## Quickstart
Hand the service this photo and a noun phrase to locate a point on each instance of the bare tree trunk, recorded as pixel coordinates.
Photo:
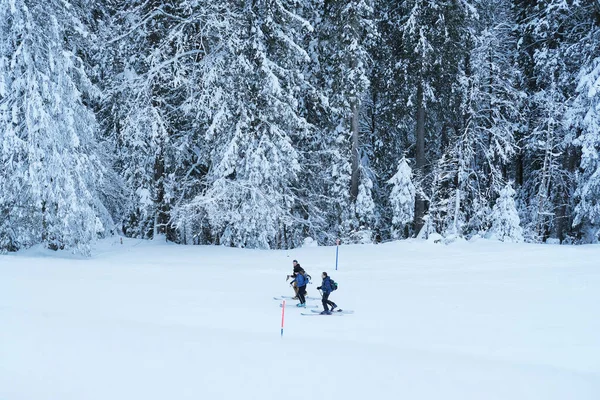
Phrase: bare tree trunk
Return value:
(445, 140)
(564, 218)
(420, 157)
(486, 167)
(519, 168)
(545, 186)
(161, 217)
(44, 224)
(355, 153)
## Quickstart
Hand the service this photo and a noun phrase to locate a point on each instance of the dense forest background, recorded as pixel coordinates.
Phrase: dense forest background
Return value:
(261, 123)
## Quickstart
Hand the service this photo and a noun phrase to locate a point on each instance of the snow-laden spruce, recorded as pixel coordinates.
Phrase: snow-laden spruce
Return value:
(255, 124)
(587, 108)
(402, 197)
(555, 40)
(477, 157)
(51, 167)
(154, 56)
(345, 35)
(506, 225)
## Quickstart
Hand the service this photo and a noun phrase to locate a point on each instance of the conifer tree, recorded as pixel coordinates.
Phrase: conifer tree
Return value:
(505, 218)
(402, 197)
(52, 166)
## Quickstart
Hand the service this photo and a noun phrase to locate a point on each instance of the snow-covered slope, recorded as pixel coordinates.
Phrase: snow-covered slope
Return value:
(148, 320)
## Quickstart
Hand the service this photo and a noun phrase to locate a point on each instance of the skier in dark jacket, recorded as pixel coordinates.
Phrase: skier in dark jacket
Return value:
(297, 269)
(327, 288)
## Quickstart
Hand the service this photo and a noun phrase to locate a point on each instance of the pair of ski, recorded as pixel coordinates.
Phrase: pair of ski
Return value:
(295, 306)
(314, 313)
(315, 310)
(290, 305)
(291, 298)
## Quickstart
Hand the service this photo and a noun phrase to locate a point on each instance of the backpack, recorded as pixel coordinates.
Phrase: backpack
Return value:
(306, 276)
(334, 284)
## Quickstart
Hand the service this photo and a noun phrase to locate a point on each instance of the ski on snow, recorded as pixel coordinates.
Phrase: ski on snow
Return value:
(295, 306)
(336, 311)
(290, 298)
(318, 314)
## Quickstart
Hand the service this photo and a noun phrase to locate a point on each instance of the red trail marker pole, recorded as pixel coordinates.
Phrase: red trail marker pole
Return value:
(282, 316)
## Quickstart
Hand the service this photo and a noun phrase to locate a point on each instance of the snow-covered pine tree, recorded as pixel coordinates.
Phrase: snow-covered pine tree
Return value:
(495, 98)
(587, 210)
(437, 197)
(587, 105)
(251, 91)
(480, 150)
(365, 206)
(51, 164)
(584, 115)
(136, 96)
(547, 184)
(550, 57)
(434, 39)
(505, 218)
(402, 199)
(157, 52)
(388, 122)
(346, 32)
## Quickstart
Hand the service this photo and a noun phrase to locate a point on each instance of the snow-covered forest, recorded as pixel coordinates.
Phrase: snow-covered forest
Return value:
(261, 123)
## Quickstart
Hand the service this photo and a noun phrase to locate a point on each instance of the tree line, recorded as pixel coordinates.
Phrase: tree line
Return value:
(265, 122)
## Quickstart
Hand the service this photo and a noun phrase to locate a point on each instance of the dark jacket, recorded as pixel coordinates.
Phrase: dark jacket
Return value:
(326, 285)
(297, 270)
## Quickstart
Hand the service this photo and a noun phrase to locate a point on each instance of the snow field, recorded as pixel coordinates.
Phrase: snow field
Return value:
(149, 320)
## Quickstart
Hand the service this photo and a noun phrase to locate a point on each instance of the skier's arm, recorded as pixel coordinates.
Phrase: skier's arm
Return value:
(293, 275)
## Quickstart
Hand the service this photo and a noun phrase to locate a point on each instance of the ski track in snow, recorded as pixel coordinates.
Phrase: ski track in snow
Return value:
(151, 320)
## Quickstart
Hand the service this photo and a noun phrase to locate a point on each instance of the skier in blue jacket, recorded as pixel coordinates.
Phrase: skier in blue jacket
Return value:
(301, 282)
(327, 288)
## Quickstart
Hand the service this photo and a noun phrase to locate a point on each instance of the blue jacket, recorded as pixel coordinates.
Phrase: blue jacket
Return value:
(326, 285)
(301, 280)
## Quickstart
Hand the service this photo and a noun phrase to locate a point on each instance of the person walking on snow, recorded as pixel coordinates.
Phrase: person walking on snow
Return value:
(327, 288)
(301, 282)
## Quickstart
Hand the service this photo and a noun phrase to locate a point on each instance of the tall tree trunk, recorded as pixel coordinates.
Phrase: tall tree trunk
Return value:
(420, 157)
(564, 215)
(519, 168)
(445, 138)
(161, 217)
(355, 153)
(486, 167)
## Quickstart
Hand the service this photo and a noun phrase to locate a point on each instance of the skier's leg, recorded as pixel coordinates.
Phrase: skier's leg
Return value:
(301, 291)
(325, 301)
(303, 294)
(331, 303)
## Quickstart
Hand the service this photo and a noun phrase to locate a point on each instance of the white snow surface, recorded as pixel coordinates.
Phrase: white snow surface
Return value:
(151, 320)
